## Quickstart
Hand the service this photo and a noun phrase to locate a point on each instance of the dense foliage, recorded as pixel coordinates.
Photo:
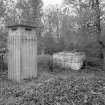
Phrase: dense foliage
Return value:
(70, 91)
(69, 25)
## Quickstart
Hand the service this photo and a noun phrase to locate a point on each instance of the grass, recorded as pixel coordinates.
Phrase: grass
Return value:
(44, 75)
(72, 89)
(60, 87)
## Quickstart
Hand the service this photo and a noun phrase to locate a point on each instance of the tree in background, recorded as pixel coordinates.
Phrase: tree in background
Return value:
(65, 24)
(18, 11)
(95, 5)
(86, 18)
(22, 11)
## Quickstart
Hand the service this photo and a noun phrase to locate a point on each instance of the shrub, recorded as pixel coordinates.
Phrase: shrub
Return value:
(44, 61)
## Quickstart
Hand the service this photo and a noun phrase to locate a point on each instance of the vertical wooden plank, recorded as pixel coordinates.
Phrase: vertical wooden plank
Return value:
(35, 50)
(29, 53)
(24, 56)
(32, 41)
(12, 55)
(8, 54)
(32, 52)
(18, 55)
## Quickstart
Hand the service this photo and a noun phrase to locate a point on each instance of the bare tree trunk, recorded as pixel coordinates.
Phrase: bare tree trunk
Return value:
(96, 9)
